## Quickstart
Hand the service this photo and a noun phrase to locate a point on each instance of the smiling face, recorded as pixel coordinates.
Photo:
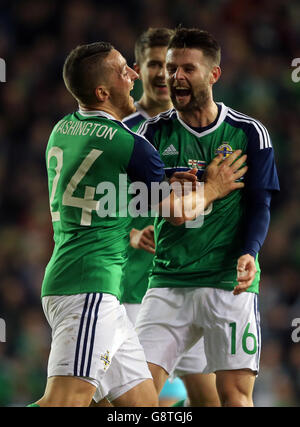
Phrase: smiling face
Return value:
(190, 76)
(121, 78)
(153, 74)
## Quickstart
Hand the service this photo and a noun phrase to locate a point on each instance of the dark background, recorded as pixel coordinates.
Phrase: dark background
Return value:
(259, 40)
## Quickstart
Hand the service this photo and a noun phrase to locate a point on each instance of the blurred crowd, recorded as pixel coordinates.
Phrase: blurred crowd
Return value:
(259, 40)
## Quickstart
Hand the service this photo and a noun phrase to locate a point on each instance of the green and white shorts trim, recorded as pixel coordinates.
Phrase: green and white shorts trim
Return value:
(91, 337)
(172, 320)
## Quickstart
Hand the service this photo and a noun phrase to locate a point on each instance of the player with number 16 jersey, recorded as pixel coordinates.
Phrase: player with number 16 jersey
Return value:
(207, 256)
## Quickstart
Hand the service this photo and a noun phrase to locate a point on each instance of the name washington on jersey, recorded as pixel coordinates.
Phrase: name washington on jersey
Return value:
(75, 128)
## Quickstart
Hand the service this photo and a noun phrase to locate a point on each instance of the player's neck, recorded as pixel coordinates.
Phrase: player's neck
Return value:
(200, 117)
(152, 108)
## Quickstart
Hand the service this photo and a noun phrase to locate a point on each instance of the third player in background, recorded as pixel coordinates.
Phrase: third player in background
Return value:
(150, 57)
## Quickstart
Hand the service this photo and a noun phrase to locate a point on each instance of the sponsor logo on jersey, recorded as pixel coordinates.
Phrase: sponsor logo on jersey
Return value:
(106, 359)
(224, 149)
(170, 151)
(199, 164)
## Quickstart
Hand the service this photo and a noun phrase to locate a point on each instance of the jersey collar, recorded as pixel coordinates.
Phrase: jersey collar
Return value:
(220, 120)
(139, 112)
(99, 113)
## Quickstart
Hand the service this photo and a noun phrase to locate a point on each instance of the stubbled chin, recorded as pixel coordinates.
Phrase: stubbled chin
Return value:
(163, 94)
(182, 100)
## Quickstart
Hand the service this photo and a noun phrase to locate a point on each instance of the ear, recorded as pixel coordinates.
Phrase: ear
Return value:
(102, 93)
(136, 68)
(215, 74)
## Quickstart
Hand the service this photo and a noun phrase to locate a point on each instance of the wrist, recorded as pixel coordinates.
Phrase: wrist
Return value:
(250, 252)
(210, 194)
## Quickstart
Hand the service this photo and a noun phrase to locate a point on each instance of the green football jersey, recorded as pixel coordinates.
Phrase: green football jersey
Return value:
(87, 155)
(207, 256)
(139, 262)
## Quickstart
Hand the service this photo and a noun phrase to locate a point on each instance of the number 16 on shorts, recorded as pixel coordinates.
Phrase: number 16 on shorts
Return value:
(249, 340)
(244, 345)
(244, 339)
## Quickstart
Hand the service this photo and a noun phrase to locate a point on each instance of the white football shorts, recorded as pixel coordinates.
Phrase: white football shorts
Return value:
(192, 362)
(91, 336)
(132, 311)
(172, 320)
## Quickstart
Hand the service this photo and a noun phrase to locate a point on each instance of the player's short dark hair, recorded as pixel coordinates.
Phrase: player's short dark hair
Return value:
(194, 38)
(83, 69)
(153, 37)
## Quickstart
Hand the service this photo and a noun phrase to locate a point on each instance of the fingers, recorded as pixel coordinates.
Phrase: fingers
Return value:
(237, 185)
(241, 172)
(244, 282)
(237, 170)
(148, 249)
(184, 176)
(143, 239)
(149, 234)
(193, 171)
(147, 244)
(246, 271)
(241, 288)
(245, 263)
(134, 237)
(150, 228)
(238, 163)
(217, 160)
(230, 159)
(233, 164)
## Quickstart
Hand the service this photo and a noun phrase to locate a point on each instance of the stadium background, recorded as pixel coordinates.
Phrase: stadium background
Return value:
(259, 40)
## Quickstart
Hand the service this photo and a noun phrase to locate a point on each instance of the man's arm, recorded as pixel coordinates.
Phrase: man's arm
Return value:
(145, 165)
(261, 181)
(256, 228)
(221, 176)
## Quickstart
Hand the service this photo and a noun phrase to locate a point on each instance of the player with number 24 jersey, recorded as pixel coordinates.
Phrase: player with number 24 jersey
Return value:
(83, 151)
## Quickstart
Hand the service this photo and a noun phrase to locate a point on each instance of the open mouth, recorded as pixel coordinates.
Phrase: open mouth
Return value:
(181, 92)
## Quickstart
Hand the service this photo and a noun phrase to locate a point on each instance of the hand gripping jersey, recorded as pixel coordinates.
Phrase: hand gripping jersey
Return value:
(139, 262)
(86, 154)
(207, 256)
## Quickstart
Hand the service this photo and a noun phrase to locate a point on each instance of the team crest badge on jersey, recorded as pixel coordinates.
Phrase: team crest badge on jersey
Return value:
(224, 149)
(199, 164)
(106, 359)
